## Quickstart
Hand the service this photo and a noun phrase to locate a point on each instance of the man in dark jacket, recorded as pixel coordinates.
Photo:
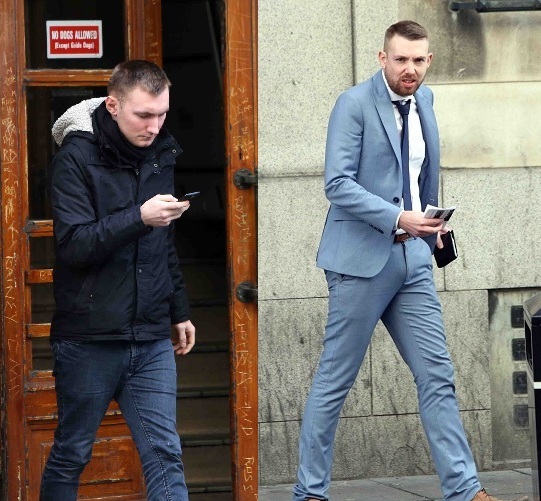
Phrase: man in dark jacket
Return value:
(121, 305)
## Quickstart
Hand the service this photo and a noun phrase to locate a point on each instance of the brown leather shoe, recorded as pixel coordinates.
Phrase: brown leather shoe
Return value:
(483, 496)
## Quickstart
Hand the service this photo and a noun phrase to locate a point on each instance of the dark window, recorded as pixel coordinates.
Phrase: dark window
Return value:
(109, 12)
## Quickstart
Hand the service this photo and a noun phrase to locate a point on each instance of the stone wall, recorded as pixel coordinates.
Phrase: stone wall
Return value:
(484, 80)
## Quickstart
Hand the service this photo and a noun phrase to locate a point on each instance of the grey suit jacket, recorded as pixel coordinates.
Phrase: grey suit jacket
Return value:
(363, 177)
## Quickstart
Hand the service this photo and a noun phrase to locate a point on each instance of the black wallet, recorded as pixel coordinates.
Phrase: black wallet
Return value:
(449, 252)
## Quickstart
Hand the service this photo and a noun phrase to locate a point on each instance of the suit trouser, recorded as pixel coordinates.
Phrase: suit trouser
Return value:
(403, 295)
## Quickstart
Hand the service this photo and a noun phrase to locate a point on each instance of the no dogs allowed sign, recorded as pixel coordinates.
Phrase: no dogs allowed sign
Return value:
(74, 39)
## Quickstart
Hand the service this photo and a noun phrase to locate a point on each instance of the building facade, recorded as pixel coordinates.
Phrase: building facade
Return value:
(270, 112)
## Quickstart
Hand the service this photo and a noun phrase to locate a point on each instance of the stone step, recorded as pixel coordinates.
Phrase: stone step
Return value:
(203, 416)
(211, 496)
(207, 467)
(203, 369)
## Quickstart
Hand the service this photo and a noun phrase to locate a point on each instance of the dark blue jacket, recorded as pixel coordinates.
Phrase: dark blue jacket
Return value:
(114, 277)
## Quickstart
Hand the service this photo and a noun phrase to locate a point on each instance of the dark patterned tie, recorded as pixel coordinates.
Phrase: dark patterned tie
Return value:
(404, 109)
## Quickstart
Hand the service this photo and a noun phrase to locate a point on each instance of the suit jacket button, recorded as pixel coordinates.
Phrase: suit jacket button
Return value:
(396, 200)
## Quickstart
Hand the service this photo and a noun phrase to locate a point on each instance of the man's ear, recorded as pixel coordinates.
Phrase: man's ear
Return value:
(382, 56)
(112, 105)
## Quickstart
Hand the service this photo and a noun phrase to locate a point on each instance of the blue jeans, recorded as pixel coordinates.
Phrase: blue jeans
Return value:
(404, 297)
(141, 377)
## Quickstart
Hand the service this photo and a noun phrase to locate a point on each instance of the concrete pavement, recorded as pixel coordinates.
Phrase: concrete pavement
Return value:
(505, 485)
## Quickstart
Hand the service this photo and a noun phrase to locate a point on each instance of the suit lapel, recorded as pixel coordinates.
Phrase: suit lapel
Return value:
(428, 124)
(386, 113)
(430, 135)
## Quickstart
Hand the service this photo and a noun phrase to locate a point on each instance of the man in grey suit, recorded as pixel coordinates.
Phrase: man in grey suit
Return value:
(376, 251)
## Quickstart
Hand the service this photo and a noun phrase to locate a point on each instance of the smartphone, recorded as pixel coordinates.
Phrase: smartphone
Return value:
(189, 196)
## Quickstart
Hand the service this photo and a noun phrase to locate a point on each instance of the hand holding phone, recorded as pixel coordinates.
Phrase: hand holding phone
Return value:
(189, 196)
(160, 210)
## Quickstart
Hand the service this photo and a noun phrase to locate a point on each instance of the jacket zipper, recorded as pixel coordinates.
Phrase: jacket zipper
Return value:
(136, 267)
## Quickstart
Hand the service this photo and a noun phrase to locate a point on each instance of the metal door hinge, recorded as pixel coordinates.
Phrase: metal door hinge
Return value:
(245, 178)
(247, 292)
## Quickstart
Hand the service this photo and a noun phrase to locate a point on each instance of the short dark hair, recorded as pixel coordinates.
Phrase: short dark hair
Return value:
(410, 30)
(137, 73)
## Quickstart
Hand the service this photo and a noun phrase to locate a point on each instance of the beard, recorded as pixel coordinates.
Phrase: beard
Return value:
(397, 85)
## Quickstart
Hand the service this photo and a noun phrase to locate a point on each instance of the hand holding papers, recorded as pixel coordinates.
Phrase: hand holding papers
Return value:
(439, 213)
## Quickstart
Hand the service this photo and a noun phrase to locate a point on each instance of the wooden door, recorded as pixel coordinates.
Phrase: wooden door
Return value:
(34, 91)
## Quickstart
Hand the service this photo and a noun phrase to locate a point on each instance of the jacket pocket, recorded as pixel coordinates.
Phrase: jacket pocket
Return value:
(343, 215)
(86, 293)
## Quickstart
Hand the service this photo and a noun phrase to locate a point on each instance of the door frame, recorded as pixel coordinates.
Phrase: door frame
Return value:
(240, 102)
(240, 97)
(12, 284)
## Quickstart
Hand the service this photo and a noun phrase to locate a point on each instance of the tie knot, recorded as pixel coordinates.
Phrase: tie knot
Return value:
(403, 107)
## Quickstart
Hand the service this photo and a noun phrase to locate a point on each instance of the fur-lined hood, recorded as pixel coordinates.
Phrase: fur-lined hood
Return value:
(76, 118)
